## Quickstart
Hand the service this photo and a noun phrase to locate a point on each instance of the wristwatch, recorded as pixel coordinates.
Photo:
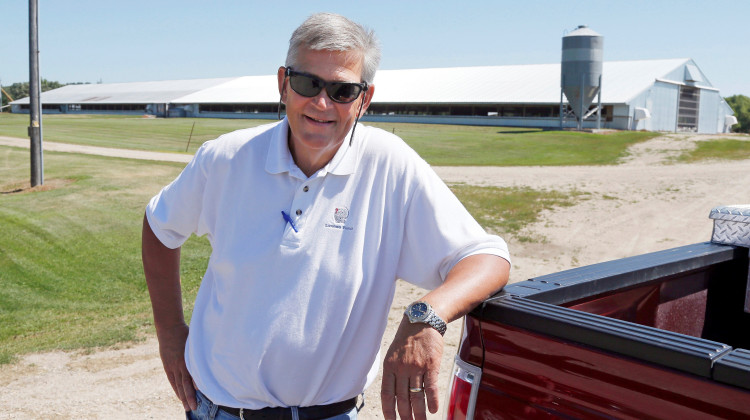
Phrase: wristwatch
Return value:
(422, 312)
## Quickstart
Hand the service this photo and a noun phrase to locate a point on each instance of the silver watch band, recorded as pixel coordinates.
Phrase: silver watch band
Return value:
(422, 312)
(436, 322)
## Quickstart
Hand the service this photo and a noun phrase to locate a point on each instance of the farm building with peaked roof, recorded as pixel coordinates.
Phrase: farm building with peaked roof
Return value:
(654, 95)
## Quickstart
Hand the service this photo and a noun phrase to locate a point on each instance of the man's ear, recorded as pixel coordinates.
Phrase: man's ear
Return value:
(368, 98)
(281, 76)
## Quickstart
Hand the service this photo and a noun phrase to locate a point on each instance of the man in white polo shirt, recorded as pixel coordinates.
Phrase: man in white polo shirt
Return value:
(311, 222)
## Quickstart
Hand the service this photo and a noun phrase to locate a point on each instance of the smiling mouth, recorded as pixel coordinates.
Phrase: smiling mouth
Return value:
(315, 120)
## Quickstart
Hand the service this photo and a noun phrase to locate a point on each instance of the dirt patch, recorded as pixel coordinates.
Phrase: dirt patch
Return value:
(22, 187)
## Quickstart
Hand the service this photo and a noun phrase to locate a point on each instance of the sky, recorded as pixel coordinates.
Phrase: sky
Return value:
(135, 40)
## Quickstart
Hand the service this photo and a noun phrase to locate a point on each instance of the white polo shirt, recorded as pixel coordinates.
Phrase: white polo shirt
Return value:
(286, 318)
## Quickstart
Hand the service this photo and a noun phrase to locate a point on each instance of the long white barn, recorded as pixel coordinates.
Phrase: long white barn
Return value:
(654, 95)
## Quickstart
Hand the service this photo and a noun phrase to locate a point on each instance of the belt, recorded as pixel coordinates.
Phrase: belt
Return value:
(315, 412)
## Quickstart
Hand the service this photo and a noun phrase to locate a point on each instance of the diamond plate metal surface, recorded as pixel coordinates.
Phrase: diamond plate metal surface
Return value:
(731, 225)
(737, 213)
(731, 233)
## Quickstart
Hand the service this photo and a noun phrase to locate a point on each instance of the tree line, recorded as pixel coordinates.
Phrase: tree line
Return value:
(741, 106)
(739, 103)
(21, 90)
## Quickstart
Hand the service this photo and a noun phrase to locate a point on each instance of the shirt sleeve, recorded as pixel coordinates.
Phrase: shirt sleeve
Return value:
(439, 232)
(175, 212)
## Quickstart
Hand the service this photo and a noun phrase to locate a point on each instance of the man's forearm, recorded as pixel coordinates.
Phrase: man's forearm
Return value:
(470, 281)
(161, 266)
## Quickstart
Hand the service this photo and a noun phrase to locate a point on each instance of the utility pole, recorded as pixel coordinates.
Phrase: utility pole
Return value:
(35, 105)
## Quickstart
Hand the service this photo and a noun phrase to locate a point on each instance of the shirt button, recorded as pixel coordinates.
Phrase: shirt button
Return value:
(306, 189)
(299, 212)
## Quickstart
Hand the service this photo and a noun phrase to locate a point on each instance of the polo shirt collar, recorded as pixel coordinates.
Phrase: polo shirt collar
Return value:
(280, 160)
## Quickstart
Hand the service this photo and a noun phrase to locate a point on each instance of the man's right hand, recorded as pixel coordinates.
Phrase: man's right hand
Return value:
(172, 351)
(161, 266)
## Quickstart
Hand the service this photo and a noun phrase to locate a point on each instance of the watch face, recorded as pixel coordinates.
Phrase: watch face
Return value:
(418, 310)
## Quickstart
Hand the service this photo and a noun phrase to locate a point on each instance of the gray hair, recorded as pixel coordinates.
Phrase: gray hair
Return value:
(332, 32)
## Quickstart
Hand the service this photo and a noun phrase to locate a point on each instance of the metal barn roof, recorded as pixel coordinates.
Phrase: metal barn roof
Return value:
(536, 83)
(540, 83)
(248, 89)
(125, 93)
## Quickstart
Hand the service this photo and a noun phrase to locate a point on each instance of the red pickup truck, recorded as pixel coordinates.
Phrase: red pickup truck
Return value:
(663, 335)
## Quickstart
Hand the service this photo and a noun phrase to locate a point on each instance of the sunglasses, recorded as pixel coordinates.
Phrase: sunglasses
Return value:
(310, 86)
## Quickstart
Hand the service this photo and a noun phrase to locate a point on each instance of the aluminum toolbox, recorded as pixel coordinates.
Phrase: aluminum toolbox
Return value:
(731, 225)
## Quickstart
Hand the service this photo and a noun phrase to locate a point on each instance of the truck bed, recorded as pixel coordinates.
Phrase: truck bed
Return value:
(661, 335)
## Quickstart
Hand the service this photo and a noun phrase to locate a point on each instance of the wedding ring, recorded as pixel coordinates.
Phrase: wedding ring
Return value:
(415, 389)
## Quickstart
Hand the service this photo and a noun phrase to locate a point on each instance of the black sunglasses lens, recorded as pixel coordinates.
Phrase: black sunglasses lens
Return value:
(343, 92)
(310, 86)
(305, 85)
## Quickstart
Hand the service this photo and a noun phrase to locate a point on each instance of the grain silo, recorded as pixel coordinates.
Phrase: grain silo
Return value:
(581, 72)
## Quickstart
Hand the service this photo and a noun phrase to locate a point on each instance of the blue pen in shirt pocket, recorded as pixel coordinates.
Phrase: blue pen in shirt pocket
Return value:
(289, 220)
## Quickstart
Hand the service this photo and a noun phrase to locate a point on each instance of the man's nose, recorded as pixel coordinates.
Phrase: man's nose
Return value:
(322, 100)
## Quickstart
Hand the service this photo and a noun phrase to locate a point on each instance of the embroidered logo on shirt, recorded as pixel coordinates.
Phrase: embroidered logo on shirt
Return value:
(340, 214)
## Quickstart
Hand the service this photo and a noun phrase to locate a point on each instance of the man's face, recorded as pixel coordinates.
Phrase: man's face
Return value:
(318, 124)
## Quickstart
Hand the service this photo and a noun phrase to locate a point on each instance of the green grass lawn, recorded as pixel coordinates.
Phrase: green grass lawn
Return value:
(70, 265)
(455, 145)
(508, 211)
(70, 252)
(452, 145)
(153, 134)
(719, 149)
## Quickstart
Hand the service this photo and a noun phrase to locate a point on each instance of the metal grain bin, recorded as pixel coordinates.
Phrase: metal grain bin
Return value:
(582, 52)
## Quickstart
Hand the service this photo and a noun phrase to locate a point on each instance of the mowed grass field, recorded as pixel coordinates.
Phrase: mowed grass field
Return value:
(70, 265)
(438, 144)
(70, 251)
(718, 149)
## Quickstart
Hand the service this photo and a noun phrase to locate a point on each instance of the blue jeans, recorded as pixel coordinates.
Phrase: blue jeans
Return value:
(207, 410)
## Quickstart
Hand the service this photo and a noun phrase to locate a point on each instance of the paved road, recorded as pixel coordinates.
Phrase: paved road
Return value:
(102, 151)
